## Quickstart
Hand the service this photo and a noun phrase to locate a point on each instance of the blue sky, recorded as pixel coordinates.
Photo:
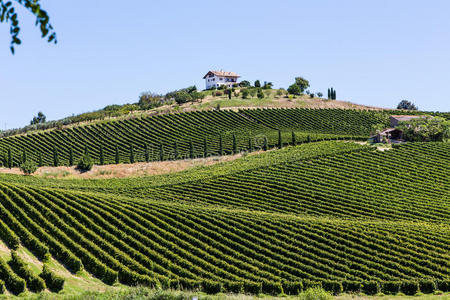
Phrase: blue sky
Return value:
(371, 52)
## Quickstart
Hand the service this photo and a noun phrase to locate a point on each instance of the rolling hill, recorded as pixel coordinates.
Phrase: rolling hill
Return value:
(321, 209)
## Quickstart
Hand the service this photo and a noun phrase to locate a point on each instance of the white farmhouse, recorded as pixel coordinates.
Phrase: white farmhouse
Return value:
(218, 78)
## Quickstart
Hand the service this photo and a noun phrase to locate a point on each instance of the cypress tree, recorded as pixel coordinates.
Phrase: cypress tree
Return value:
(86, 150)
(235, 147)
(147, 153)
(191, 149)
(329, 93)
(10, 158)
(55, 157)
(102, 156)
(24, 156)
(131, 154)
(220, 145)
(161, 152)
(294, 140)
(308, 139)
(175, 149)
(205, 148)
(265, 144)
(117, 156)
(250, 145)
(40, 162)
(70, 157)
(334, 94)
(280, 142)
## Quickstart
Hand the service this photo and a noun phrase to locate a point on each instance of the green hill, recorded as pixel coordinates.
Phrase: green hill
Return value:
(338, 214)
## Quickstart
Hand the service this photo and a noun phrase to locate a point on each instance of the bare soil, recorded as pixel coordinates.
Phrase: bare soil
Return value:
(126, 170)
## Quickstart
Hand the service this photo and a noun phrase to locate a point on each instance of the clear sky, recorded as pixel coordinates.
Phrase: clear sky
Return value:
(374, 52)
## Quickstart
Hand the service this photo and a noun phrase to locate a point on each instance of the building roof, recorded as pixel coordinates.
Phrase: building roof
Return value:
(388, 130)
(222, 73)
(406, 117)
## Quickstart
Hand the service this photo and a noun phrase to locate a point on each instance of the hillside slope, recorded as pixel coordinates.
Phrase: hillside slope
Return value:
(338, 214)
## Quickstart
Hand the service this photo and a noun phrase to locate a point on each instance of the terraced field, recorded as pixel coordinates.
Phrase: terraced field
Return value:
(185, 135)
(337, 214)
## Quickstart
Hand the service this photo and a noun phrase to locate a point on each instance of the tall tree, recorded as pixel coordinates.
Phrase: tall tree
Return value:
(175, 150)
(117, 155)
(131, 154)
(294, 140)
(280, 141)
(161, 151)
(146, 153)
(220, 145)
(302, 83)
(191, 150)
(8, 14)
(250, 145)
(71, 156)
(10, 158)
(205, 147)
(40, 161)
(405, 104)
(102, 156)
(55, 157)
(235, 146)
(265, 144)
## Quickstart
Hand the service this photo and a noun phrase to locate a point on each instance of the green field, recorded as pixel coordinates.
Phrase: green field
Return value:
(337, 214)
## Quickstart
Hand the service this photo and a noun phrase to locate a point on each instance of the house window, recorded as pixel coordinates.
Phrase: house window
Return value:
(221, 78)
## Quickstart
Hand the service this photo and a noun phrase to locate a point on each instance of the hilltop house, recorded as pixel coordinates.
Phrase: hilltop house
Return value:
(218, 78)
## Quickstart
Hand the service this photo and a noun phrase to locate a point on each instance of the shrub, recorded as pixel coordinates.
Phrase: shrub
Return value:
(254, 288)
(427, 286)
(233, 287)
(85, 164)
(257, 83)
(334, 287)
(351, 286)
(370, 287)
(218, 93)
(443, 285)
(315, 293)
(28, 167)
(292, 288)
(272, 288)
(391, 287)
(34, 283)
(294, 89)
(211, 287)
(260, 94)
(245, 93)
(53, 282)
(409, 287)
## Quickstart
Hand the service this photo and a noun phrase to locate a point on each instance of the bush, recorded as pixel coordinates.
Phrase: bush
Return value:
(316, 293)
(443, 285)
(292, 288)
(34, 283)
(254, 288)
(218, 93)
(427, 286)
(391, 287)
(334, 287)
(371, 287)
(351, 286)
(85, 164)
(260, 94)
(409, 287)
(245, 93)
(271, 288)
(294, 89)
(211, 287)
(53, 282)
(28, 167)
(233, 287)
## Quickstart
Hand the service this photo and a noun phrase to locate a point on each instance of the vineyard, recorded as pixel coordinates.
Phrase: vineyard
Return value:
(335, 214)
(186, 135)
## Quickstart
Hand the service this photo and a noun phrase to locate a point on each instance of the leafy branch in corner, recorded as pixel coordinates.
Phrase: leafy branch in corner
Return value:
(8, 14)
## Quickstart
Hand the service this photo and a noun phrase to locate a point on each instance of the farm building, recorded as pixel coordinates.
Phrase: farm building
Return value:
(214, 79)
(390, 135)
(396, 119)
